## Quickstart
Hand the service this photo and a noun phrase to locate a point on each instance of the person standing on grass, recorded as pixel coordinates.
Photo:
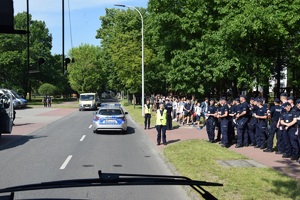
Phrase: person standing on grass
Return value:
(148, 109)
(161, 124)
(223, 116)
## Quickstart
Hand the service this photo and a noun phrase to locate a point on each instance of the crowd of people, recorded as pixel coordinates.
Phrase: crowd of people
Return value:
(238, 121)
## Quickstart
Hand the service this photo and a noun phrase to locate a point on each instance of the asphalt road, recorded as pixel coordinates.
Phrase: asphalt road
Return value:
(68, 149)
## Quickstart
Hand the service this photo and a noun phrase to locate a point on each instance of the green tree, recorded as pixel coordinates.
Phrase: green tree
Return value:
(87, 74)
(13, 53)
(47, 89)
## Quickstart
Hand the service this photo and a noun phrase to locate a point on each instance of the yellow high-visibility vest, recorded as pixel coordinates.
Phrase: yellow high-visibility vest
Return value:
(161, 119)
(148, 111)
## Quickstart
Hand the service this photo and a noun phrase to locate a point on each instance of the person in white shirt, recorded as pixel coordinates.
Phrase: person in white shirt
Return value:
(198, 111)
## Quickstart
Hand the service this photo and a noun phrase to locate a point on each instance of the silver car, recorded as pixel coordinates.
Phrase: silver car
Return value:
(110, 117)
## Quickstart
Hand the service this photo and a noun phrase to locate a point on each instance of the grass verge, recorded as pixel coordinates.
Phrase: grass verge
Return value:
(197, 159)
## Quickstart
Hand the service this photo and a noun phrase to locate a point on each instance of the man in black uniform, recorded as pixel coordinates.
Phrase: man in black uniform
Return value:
(223, 116)
(298, 121)
(242, 119)
(253, 121)
(288, 120)
(274, 113)
(211, 121)
(231, 114)
(280, 133)
(169, 108)
(261, 116)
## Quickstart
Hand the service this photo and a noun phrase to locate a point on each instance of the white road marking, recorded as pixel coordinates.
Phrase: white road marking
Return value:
(90, 126)
(66, 162)
(82, 138)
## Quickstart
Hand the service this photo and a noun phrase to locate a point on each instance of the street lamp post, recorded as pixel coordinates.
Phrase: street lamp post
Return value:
(143, 95)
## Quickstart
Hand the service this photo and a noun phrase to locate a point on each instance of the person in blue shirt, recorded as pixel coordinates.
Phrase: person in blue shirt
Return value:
(253, 121)
(298, 121)
(274, 114)
(280, 134)
(261, 116)
(242, 119)
(211, 120)
(223, 116)
(288, 120)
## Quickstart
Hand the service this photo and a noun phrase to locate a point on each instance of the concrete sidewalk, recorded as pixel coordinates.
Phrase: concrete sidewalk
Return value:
(31, 119)
(275, 161)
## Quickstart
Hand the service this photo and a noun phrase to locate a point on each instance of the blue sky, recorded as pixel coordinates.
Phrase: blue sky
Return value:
(84, 18)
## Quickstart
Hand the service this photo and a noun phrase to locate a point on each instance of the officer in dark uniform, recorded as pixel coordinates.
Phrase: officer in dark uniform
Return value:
(288, 120)
(230, 122)
(242, 119)
(253, 121)
(298, 121)
(274, 113)
(261, 116)
(280, 132)
(211, 121)
(169, 108)
(223, 116)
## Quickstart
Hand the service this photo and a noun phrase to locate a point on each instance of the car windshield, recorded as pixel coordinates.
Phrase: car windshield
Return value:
(87, 97)
(15, 94)
(110, 112)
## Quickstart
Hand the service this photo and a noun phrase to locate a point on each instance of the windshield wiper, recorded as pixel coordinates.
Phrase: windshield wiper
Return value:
(118, 179)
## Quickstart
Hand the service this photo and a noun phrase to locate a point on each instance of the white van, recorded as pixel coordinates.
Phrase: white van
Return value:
(88, 101)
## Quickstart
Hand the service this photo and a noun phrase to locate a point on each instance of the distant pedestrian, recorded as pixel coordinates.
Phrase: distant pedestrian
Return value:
(204, 106)
(161, 124)
(49, 101)
(198, 111)
(148, 109)
(44, 100)
(211, 120)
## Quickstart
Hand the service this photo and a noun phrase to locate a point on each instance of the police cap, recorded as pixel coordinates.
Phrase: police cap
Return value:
(290, 98)
(283, 94)
(243, 96)
(211, 99)
(237, 99)
(286, 104)
(276, 100)
(223, 98)
(297, 101)
(252, 98)
(259, 100)
(229, 102)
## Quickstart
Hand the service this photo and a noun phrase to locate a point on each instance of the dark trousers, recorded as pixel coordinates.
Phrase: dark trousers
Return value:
(210, 128)
(261, 133)
(147, 120)
(272, 131)
(231, 134)
(242, 131)
(161, 133)
(252, 130)
(169, 121)
(287, 142)
(224, 131)
(279, 138)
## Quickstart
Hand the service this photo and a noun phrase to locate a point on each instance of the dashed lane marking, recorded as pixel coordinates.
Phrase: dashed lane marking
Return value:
(82, 138)
(90, 126)
(66, 162)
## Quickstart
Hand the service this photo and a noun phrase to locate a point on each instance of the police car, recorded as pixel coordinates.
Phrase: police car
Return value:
(110, 117)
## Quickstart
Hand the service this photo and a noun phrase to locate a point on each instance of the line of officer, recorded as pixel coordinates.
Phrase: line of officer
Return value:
(223, 116)
(274, 113)
(169, 108)
(148, 109)
(161, 124)
(211, 122)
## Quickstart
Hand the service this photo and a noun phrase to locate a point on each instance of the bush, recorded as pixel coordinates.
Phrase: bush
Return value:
(47, 89)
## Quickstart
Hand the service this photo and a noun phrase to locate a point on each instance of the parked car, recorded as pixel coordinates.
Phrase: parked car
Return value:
(6, 112)
(110, 117)
(18, 102)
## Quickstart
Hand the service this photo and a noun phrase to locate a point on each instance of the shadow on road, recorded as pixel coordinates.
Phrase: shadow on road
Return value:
(12, 141)
(130, 130)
